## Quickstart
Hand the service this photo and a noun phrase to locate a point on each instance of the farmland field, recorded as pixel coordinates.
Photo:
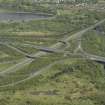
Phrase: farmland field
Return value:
(52, 53)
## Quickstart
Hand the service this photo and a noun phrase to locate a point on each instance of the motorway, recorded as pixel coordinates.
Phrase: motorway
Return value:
(56, 48)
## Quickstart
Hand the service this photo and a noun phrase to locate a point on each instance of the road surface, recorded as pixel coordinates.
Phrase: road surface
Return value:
(56, 46)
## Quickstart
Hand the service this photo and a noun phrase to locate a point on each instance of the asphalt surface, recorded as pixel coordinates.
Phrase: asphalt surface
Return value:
(55, 48)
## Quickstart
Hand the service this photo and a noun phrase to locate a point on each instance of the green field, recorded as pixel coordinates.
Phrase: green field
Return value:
(58, 60)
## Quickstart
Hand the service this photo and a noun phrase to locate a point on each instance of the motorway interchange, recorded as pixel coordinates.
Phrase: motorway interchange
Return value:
(59, 47)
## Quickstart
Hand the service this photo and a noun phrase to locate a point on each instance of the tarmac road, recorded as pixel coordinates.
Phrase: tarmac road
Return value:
(56, 46)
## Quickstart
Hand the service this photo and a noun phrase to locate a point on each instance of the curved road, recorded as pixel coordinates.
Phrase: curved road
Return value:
(56, 46)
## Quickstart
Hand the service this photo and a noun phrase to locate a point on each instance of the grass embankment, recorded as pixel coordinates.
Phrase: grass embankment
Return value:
(93, 41)
(71, 82)
(26, 6)
(74, 82)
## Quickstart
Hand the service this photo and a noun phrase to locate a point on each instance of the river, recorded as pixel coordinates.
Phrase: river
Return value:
(22, 16)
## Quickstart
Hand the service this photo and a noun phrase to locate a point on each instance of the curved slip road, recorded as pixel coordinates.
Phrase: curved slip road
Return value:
(26, 61)
(34, 74)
